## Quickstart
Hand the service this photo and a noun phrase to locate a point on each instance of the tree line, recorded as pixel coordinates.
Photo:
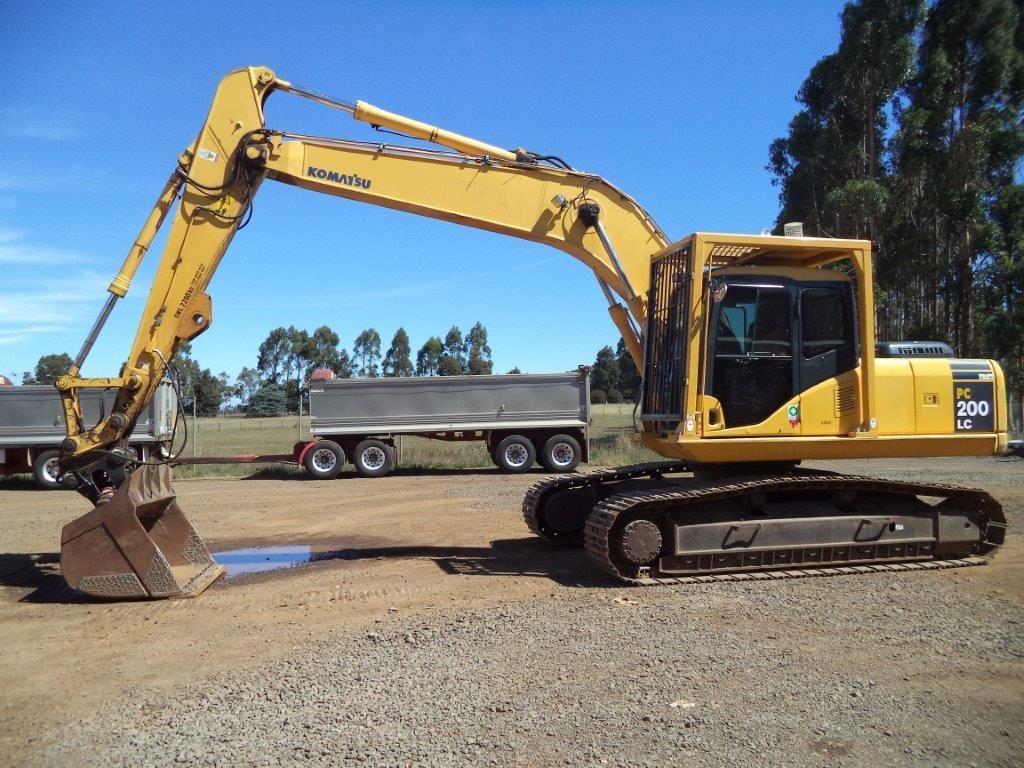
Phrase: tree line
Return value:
(911, 134)
(288, 356)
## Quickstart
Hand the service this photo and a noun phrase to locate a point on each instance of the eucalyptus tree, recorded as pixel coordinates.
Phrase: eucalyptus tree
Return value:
(397, 360)
(831, 166)
(428, 359)
(366, 354)
(478, 352)
(960, 142)
(453, 358)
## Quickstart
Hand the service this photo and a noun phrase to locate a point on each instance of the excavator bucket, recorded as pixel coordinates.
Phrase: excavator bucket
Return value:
(138, 544)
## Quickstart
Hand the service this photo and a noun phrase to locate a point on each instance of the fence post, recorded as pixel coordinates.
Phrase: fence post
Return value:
(1017, 416)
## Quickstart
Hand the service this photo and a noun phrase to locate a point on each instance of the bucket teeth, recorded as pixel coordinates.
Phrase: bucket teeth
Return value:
(137, 545)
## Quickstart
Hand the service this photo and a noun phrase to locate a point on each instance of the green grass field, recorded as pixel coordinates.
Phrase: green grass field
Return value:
(611, 443)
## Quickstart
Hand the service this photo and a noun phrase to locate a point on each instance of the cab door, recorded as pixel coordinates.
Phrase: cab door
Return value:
(751, 370)
(826, 358)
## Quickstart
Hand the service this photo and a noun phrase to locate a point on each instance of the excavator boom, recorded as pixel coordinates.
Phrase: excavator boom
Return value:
(137, 542)
(220, 173)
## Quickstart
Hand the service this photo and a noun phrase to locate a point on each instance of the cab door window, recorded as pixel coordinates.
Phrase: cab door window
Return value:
(752, 372)
(827, 346)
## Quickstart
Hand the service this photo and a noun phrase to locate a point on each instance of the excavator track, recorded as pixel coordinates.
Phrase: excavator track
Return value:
(536, 503)
(641, 526)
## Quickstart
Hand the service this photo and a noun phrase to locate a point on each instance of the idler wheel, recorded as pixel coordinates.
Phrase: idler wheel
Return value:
(641, 542)
(562, 517)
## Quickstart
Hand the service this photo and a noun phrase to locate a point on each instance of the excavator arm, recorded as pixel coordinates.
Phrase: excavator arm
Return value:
(137, 542)
(218, 176)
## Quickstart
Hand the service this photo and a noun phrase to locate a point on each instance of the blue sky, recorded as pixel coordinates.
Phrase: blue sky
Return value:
(676, 103)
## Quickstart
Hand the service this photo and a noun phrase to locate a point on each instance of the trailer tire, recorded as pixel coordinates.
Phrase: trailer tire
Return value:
(373, 458)
(515, 454)
(561, 453)
(47, 470)
(324, 460)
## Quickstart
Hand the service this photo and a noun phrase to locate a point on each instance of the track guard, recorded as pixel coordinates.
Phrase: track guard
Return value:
(137, 545)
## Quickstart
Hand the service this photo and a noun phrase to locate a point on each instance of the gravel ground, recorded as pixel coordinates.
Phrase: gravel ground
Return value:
(916, 669)
(705, 675)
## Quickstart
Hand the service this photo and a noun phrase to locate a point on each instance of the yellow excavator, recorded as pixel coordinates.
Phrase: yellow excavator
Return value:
(757, 352)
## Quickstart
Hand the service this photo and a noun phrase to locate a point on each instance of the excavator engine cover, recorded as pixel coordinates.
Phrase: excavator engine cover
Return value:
(138, 544)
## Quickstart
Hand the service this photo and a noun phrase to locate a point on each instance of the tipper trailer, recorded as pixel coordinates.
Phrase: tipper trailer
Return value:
(522, 418)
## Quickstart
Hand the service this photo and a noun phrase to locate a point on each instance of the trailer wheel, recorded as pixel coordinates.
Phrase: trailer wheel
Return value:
(561, 453)
(515, 454)
(46, 468)
(373, 458)
(324, 460)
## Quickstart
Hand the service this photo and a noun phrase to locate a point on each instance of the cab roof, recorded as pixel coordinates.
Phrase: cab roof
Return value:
(724, 250)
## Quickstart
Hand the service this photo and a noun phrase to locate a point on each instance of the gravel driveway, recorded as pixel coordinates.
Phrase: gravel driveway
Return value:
(915, 669)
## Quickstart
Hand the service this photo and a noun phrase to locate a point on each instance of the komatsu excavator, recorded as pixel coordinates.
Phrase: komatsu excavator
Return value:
(757, 352)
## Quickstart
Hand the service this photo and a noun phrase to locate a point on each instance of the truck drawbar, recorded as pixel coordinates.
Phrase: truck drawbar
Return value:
(522, 419)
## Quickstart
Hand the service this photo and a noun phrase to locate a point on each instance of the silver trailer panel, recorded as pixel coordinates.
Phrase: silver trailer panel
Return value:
(450, 404)
(32, 415)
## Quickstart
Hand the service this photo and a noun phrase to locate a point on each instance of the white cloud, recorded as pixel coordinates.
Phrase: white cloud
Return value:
(44, 300)
(353, 298)
(10, 181)
(13, 250)
(402, 291)
(16, 253)
(10, 338)
(8, 235)
(33, 123)
(45, 306)
(74, 177)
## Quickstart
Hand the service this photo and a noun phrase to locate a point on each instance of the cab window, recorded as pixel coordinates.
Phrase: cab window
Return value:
(752, 372)
(827, 346)
(823, 320)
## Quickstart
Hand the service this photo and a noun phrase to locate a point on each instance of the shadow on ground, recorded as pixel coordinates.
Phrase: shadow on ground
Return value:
(20, 483)
(40, 573)
(529, 557)
(290, 473)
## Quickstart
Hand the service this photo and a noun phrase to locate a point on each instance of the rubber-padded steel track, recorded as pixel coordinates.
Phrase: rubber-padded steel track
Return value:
(601, 521)
(803, 573)
(538, 494)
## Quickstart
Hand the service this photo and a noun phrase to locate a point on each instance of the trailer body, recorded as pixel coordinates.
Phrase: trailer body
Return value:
(521, 418)
(32, 426)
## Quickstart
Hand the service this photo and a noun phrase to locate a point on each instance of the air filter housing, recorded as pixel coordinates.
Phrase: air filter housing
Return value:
(913, 349)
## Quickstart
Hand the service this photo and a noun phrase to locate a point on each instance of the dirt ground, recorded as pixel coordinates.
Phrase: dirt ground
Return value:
(416, 541)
